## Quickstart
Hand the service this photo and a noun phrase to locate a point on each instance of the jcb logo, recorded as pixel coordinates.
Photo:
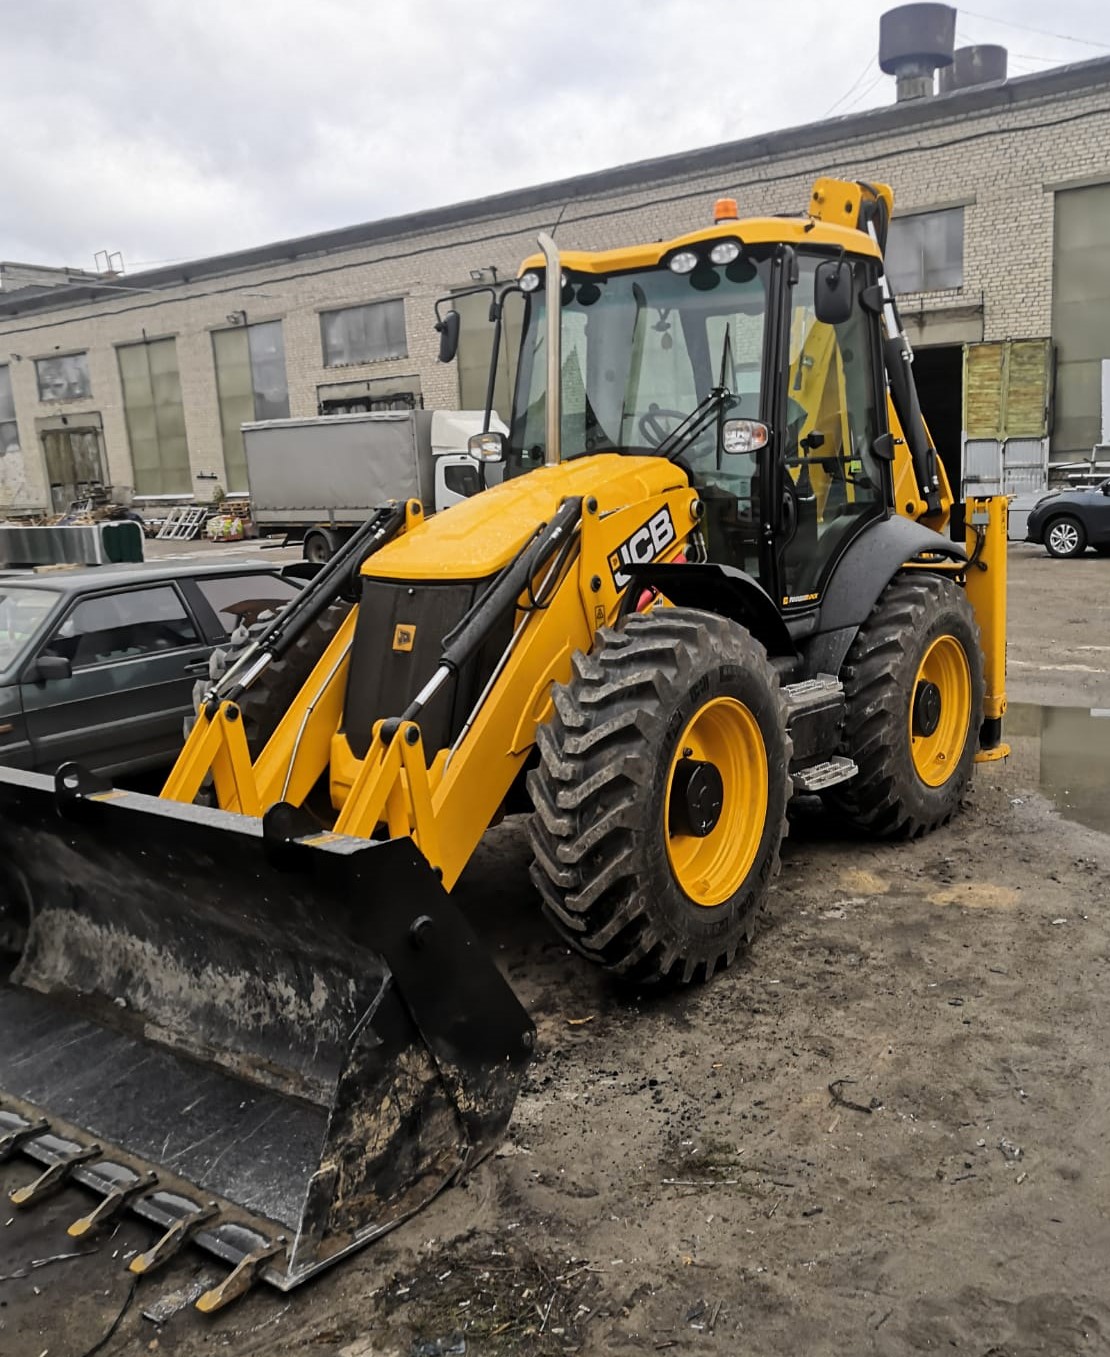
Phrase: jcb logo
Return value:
(645, 544)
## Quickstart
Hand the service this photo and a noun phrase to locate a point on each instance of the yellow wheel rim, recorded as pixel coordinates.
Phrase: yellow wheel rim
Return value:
(711, 868)
(936, 750)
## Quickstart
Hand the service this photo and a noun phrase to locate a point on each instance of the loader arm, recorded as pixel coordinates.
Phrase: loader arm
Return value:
(616, 512)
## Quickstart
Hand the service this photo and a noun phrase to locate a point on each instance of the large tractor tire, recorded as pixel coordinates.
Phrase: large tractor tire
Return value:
(913, 681)
(660, 796)
(267, 699)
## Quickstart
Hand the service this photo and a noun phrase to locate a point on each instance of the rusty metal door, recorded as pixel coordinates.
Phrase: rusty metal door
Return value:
(74, 465)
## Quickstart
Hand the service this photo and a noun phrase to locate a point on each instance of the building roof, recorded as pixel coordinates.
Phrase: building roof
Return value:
(998, 95)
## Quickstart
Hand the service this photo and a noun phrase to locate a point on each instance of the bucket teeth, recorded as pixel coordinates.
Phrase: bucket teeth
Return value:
(172, 1241)
(240, 1280)
(53, 1177)
(20, 1130)
(112, 1205)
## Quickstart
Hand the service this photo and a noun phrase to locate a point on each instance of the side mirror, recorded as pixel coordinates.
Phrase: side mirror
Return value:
(833, 293)
(487, 447)
(49, 667)
(741, 436)
(448, 331)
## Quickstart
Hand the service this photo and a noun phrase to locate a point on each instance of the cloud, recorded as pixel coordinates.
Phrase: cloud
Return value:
(170, 130)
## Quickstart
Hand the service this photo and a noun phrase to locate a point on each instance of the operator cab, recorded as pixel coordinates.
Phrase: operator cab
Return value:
(718, 356)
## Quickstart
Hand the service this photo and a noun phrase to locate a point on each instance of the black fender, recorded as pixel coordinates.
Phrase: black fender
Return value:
(867, 566)
(720, 589)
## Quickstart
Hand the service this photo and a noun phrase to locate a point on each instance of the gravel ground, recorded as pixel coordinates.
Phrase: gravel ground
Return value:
(883, 1131)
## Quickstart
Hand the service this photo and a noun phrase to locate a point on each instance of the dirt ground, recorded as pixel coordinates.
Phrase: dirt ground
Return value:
(885, 1130)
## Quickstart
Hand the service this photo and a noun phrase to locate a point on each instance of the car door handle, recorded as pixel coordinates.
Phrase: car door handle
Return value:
(198, 667)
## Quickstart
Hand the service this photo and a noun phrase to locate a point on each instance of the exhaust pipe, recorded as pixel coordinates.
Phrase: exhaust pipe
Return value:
(553, 288)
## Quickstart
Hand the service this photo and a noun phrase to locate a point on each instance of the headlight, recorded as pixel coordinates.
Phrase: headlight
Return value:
(529, 282)
(724, 252)
(686, 261)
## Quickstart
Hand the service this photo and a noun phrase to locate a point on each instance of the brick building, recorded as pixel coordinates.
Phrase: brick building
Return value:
(1001, 233)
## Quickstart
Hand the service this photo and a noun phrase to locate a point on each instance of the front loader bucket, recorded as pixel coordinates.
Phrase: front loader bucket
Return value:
(278, 1048)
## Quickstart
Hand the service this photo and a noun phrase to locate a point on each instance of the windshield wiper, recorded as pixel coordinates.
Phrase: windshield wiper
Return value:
(680, 438)
(710, 407)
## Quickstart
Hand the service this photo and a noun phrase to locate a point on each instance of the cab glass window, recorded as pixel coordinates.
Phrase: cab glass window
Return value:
(117, 627)
(832, 479)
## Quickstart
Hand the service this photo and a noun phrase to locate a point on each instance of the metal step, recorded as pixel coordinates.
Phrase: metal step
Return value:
(811, 693)
(821, 775)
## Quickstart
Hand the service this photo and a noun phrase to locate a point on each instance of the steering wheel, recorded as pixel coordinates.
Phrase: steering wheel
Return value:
(651, 425)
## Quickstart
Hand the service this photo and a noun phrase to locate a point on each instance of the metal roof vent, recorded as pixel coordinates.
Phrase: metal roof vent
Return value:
(980, 65)
(914, 40)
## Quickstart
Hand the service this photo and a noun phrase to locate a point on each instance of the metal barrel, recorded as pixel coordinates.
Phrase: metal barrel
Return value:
(300, 1038)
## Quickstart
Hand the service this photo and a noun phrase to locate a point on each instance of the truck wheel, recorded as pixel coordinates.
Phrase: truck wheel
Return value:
(660, 796)
(913, 681)
(320, 546)
(267, 699)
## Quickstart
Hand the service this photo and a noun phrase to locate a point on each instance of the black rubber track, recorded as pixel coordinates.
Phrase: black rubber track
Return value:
(886, 797)
(598, 828)
(267, 699)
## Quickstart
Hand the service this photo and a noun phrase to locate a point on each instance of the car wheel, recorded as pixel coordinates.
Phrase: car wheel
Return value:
(1065, 536)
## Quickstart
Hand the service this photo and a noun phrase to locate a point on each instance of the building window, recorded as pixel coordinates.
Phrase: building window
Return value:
(476, 349)
(63, 378)
(364, 334)
(925, 252)
(251, 384)
(9, 429)
(155, 417)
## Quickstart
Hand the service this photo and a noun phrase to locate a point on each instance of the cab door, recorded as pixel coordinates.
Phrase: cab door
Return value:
(133, 658)
(833, 483)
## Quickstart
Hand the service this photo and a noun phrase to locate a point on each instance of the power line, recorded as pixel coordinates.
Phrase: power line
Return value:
(865, 92)
(1042, 32)
(850, 90)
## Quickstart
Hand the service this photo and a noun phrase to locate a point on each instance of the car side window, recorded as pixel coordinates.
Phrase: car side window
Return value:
(245, 599)
(122, 627)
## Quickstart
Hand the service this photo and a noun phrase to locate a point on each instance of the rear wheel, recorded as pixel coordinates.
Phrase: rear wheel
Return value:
(913, 683)
(320, 545)
(660, 796)
(1065, 536)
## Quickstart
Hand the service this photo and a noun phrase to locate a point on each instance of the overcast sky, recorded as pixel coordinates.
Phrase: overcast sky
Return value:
(171, 129)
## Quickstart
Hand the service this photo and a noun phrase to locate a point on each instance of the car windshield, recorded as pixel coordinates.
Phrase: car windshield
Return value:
(640, 351)
(21, 613)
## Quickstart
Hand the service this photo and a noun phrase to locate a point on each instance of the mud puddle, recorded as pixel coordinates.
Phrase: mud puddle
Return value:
(1073, 745)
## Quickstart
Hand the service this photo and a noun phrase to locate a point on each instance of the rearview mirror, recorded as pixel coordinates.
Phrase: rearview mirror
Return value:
(448, 331)
(49, 667)
(487, 447)
(833, 291)
(741, 436)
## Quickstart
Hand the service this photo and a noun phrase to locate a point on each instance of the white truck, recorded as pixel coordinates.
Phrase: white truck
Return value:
(316, 480)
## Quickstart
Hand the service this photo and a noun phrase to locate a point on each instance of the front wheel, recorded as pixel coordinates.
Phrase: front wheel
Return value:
(913, 685)
(1065, 536)
(660, 796)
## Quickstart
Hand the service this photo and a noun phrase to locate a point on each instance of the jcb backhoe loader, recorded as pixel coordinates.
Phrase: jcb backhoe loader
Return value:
(715, 575)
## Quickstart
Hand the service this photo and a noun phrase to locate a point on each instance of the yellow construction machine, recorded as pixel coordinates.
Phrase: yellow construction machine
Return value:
(714, 575)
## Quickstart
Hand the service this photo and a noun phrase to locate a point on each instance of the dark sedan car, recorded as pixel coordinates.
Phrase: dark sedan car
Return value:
(98, 664)
(1070, 521)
